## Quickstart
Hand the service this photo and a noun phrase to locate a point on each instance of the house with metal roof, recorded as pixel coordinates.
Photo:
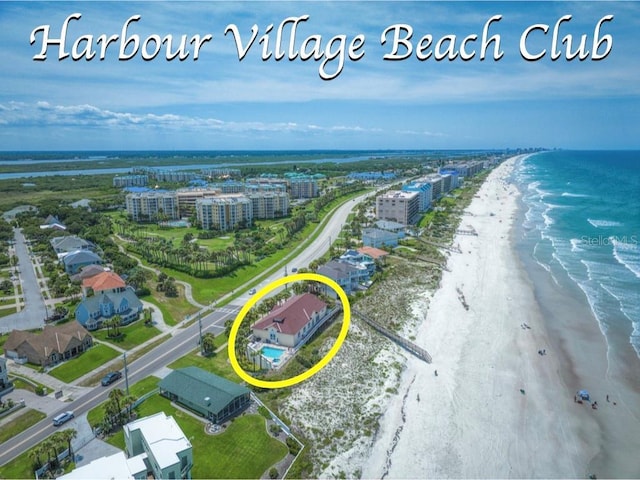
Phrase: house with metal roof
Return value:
(74, 261)
(376, 237)
(53, 223)
(209, 395)
(292, 322)
(348, 276)
(70, 243)
(94, 310)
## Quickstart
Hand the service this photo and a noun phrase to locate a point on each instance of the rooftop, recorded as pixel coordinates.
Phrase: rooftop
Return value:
(163, 437)
(205, 389)
(292, 315)
(399, 194)
(373, 252)
(105, 280)
(105, 468)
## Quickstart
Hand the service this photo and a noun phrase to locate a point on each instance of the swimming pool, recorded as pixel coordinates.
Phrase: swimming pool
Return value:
(273, 353)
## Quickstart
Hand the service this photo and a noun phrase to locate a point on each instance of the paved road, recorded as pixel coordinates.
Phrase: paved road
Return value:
(175, 347)
(32, 316)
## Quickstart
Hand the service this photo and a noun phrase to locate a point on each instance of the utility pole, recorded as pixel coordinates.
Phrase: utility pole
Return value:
(200, 327)
(126, 374)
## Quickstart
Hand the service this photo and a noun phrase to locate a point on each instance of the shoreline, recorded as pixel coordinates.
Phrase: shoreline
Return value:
(472, 419)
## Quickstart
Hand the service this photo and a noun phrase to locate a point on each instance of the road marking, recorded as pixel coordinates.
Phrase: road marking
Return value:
(93, 397)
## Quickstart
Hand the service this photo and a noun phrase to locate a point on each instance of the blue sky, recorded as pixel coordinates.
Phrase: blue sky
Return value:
(219, 102)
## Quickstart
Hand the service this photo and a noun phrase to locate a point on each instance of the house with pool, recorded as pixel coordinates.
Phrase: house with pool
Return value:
(285, 329)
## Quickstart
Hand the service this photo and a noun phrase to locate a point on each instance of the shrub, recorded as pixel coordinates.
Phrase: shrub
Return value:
(273, 472)
(294, 448)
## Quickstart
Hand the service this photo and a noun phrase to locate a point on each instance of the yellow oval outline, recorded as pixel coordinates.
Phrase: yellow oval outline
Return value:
(231, 348)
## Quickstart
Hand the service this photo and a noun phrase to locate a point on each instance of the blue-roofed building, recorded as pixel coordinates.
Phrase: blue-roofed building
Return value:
(424, 193)
(372, 176)
(92, 311)
(74, 261)
(455, 176)
(356, 258)
(375, 237)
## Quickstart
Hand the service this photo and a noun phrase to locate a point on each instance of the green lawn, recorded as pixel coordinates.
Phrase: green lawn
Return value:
(173, 309)
(21, 383)
(132, 335)
(19, 467)
(206, 291)
(244, 450)
(218, 364)
(7, 311)
(93, 358)
(20, 423)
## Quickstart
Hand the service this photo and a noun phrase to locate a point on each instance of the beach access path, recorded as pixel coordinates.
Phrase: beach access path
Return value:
(497, 408)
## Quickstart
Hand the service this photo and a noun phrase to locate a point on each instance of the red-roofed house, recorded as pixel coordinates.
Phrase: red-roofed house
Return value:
(373, 252)
(109, 282)
(290, 323)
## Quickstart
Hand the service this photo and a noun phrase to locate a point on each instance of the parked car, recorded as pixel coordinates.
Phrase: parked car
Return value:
(294, 270)
(252, 291)
(62, 418)
(110, 377)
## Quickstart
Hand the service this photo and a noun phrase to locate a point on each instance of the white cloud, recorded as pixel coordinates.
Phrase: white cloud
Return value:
(44, 114)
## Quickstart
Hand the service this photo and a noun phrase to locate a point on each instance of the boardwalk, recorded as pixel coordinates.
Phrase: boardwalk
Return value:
(411, 347)
(455, 249)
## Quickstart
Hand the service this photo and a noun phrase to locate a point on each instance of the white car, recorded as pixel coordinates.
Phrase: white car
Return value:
(62, 418)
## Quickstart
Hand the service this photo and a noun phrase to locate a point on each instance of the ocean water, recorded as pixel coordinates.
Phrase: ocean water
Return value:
(582, 223)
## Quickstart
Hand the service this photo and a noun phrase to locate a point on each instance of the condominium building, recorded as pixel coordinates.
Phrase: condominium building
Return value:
(446, 183)
(221, 172)
(175, 176)
(424, 193)
(230, 186)
(269, 204)
(251, 187)
(152, 205)
(131, 181)
(187, 197)
(437, 187)
(455, 176)
(402, 207)
(303, 187)
(224, 212)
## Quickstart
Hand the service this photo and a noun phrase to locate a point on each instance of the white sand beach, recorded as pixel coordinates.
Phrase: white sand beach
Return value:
(472, 420)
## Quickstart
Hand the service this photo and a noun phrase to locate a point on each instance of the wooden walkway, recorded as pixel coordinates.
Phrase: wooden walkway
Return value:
(411, 347)
(467, 231)
(444, 247)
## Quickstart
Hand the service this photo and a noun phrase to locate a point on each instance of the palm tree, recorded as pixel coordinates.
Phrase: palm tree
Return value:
(34, 456)
(46, 446)
(128, 402)
(208, 343)
(116, 395)
(68, 435)
(116, 320)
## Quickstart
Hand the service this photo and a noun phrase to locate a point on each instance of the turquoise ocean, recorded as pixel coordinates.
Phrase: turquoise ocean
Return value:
(581, 223)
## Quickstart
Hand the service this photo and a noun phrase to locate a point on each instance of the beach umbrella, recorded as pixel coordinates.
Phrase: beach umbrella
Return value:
(583, 394)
